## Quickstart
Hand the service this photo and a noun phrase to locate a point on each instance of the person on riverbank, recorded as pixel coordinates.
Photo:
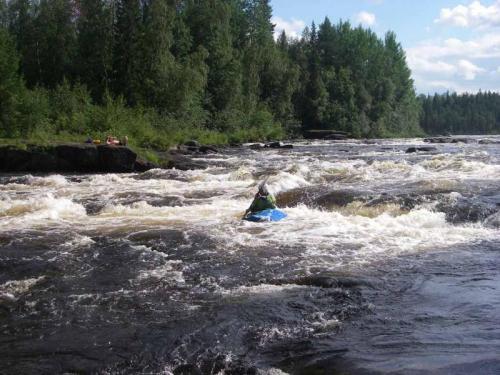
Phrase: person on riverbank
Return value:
(263, 200)
(110, 140)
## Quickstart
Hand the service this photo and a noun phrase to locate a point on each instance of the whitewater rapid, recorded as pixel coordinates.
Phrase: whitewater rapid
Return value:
(353, 209)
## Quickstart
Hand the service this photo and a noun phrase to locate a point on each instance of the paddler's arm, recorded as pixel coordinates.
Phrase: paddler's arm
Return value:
(272, 200)
(249, 209)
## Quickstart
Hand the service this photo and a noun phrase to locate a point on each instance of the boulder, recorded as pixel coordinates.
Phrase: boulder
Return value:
(274, 145)
(205, 149)
(78, 157)
(143, 165)
(326, 134)
(488, 142)
(438, 140)
(256, 146)
(420, 149)
(67, 158)
(14, 159)
(447, 140)
(116, 158)
(192, 144)
(184, 163)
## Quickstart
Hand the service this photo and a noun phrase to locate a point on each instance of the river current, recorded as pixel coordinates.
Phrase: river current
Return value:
(389, 262)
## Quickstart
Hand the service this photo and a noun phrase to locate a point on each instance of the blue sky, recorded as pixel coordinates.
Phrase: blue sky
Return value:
(450, 44)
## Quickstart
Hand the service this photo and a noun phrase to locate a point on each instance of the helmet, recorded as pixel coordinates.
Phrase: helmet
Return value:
(263, 190)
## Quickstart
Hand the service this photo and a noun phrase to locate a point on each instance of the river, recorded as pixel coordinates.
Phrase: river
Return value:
(389, 262)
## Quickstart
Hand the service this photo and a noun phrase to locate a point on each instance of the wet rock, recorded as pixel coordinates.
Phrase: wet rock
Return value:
(80, 157)
(67, 158)
(116, 158)
(187, 369)
(336, 198)
(325, 281)
(256, 146)
(420, 149)
(465, 210)
(326, 134)
(208, 149)
(488, 142)
(192, 144)
(274, 145)
(143, 165)
(447, 140)
(193, 147)
(278, 145)
(184, 163)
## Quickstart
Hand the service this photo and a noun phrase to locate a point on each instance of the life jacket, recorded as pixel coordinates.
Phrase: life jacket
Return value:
(263, 202)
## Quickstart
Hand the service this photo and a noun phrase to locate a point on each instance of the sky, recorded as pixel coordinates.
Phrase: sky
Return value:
(451, 45)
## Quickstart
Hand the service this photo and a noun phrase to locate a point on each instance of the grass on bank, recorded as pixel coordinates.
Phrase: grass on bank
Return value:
(68, 114)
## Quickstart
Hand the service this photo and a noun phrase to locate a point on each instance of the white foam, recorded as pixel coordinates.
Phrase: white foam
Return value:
(35, 210)
(13, 288)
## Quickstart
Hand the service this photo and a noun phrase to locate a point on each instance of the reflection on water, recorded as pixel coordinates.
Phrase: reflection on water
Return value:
(388, 262)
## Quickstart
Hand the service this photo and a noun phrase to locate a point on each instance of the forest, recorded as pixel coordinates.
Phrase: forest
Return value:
(461, 114)
(164, 71)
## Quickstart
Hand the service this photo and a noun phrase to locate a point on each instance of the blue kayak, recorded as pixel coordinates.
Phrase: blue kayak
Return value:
(266, 215)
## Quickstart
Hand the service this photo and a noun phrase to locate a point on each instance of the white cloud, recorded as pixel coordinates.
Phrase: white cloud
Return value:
(455, 64)
(366, 19)
(473, 15)
(421, 64)
(468, 70)
(293, 28)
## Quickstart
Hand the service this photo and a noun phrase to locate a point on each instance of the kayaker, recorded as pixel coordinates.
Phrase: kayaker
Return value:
(263, 200)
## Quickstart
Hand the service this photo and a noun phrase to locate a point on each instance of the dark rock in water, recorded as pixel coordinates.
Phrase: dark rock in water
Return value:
(466, 210)
(205, 149)
(89, 158)
(274, 145)
(460, 140)
(488, 142)
(325, 281)
(67, 158)
(256, 146)
(326, 134)
(79, 157)
(420, 149)
(184, 163)
(447, 140)
(187, 369)
(278, 145)
(143, 165)
(317, 196)
(438, 140)
(116, 158)
(192, 144)
(193, 147)
(336, 198)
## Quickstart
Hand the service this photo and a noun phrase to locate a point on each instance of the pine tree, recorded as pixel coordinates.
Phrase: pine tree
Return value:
(95, 46)
(127, 58)
(56, 37)
(11, 86)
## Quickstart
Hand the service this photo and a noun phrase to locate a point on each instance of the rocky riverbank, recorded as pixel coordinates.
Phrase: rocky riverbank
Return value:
(87, 158)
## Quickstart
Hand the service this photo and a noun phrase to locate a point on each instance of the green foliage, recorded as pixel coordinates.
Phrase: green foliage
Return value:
(11, 86)
(166, 71)
(461, 114)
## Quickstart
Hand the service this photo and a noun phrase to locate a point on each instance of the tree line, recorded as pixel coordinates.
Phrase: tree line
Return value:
(461, 114)
(163, 71)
